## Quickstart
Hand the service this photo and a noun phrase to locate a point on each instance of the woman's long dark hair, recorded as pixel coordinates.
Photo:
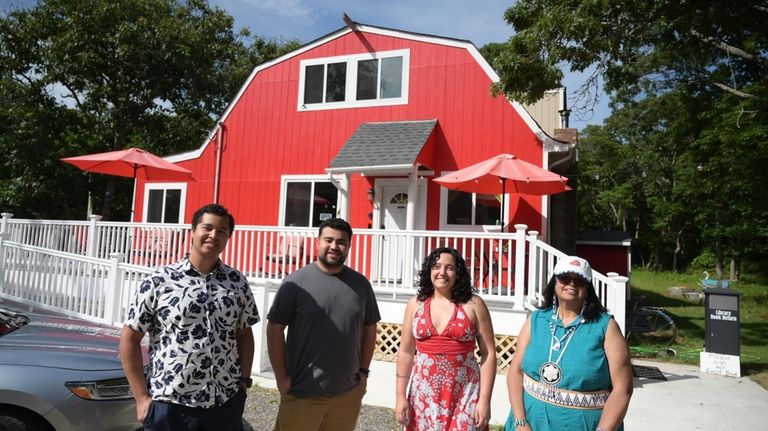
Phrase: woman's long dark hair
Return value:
(591, 311)
(462, 291)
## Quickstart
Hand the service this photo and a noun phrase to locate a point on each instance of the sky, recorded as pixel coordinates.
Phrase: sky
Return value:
(479, 21)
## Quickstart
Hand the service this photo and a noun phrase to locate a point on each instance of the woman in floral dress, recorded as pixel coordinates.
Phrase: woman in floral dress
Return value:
(443, 325)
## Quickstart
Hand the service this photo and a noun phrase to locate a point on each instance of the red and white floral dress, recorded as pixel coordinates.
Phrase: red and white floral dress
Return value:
(445, 380)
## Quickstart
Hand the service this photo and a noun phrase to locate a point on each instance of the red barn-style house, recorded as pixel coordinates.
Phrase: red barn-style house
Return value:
(355, 124)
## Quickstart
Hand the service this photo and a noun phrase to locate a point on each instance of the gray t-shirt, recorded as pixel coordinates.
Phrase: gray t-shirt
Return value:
(325, 315)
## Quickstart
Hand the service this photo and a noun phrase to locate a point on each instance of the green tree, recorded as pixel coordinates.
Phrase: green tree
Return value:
(34, 132)
(730, 158)
(606, 198)
(689, 92)
(682, 174)
(635, 46)
(90, 76)
(490, 51)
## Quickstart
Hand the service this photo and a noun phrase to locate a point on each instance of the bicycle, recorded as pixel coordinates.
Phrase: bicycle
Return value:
(646, 325)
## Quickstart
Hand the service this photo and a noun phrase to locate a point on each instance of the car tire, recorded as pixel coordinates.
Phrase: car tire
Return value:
(20, 421)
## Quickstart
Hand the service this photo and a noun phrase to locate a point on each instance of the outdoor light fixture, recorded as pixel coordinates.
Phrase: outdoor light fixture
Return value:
(369, 195)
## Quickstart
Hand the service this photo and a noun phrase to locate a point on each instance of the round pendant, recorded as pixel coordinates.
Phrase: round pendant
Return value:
(550, 373)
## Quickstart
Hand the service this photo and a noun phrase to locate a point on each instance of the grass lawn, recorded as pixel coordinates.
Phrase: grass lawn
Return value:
(689, 318)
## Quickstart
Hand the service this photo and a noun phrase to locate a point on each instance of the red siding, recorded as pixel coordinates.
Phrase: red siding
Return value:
(267, 137)
(606, 258)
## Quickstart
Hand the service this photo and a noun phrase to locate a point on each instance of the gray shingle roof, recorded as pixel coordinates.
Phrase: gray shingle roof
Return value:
(611, 236)
(384, 144)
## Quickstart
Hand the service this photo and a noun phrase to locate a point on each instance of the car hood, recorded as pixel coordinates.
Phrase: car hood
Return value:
(60, 342)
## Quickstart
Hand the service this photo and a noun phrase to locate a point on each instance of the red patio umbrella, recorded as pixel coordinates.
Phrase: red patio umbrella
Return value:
(132, 163)
(494, 175)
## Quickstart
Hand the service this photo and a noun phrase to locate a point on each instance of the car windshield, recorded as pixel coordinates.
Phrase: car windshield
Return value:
(10, 322)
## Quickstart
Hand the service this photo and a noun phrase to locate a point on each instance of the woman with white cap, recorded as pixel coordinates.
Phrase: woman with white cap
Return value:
(571, 369)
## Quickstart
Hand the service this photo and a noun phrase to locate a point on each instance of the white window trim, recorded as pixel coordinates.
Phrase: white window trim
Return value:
(285, 179)
(165, 186)
(351, 81)
(463, 227)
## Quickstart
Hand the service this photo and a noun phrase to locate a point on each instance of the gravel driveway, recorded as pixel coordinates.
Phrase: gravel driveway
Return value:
(261, 411)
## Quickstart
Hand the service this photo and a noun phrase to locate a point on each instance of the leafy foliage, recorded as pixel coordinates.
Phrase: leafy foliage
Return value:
(677, 162)
(681, 173)
(635, 46)
(89, 76)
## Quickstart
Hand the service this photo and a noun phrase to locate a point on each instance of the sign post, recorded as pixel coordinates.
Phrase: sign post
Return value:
(722, 333)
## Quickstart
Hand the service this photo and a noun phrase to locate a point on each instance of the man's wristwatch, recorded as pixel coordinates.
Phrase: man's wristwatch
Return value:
(247, 381)
(365, 371)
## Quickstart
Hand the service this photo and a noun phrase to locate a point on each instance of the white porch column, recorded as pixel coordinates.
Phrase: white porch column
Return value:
(93, 237)
(410, 224)
(520, 266)
(261, 355)
(537, 270)
(413, 182)
(342, 182)
(2, 260)
(617, 299)
(4, 222)
(114, 290)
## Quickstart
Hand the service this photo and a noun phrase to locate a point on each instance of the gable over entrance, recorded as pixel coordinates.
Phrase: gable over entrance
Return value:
(385, 148)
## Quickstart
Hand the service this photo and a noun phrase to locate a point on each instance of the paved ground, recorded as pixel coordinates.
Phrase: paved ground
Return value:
(687, 400)
(691, 400)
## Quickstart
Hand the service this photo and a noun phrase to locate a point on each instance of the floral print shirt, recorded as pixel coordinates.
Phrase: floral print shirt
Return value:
(192, 320)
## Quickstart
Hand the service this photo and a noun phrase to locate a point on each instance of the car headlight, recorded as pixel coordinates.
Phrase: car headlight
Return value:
(113, 389)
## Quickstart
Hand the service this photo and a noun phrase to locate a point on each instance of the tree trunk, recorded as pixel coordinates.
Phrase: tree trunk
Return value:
(718, 260)
(735, 267)
(678, 250)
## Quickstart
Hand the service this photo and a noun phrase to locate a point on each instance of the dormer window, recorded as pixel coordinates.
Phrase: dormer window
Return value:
(325, 83)
(380, 78)
(375, 79)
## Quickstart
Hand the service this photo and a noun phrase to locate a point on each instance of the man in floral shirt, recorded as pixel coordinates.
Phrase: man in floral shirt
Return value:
(198, 313)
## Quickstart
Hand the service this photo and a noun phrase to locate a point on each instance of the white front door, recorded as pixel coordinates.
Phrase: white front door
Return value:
(394, 212)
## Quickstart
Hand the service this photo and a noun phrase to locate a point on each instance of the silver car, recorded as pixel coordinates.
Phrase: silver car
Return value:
(60, 373)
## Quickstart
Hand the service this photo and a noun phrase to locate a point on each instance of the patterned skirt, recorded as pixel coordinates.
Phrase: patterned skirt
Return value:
(443, 393)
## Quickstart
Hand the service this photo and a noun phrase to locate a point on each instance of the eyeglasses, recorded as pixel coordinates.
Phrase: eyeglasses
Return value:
(568, 279)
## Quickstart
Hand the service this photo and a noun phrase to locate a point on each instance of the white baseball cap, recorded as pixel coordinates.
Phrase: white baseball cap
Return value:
(575, 265)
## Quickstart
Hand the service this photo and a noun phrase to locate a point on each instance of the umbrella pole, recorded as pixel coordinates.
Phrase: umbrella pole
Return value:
(133, 197)
(503, 203)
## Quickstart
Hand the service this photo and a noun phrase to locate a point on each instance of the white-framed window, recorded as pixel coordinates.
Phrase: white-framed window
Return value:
(307, 200)
(352, 81)
(164, 202)
(469, 211)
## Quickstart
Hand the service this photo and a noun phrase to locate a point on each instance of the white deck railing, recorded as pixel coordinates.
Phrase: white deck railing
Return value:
(76, 256)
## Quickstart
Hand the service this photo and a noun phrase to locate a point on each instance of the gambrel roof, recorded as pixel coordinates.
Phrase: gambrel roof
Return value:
(548, 142)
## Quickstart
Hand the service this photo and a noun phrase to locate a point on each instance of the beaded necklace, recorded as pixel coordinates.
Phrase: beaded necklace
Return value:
(550, 372)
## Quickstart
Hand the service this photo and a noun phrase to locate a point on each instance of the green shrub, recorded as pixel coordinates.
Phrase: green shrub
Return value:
(706, 261)
(754, 271)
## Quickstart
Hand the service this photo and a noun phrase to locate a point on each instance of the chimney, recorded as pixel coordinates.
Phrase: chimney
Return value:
(569, 135)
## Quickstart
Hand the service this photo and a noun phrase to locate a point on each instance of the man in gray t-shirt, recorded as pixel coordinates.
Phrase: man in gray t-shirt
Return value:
(331, 314)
